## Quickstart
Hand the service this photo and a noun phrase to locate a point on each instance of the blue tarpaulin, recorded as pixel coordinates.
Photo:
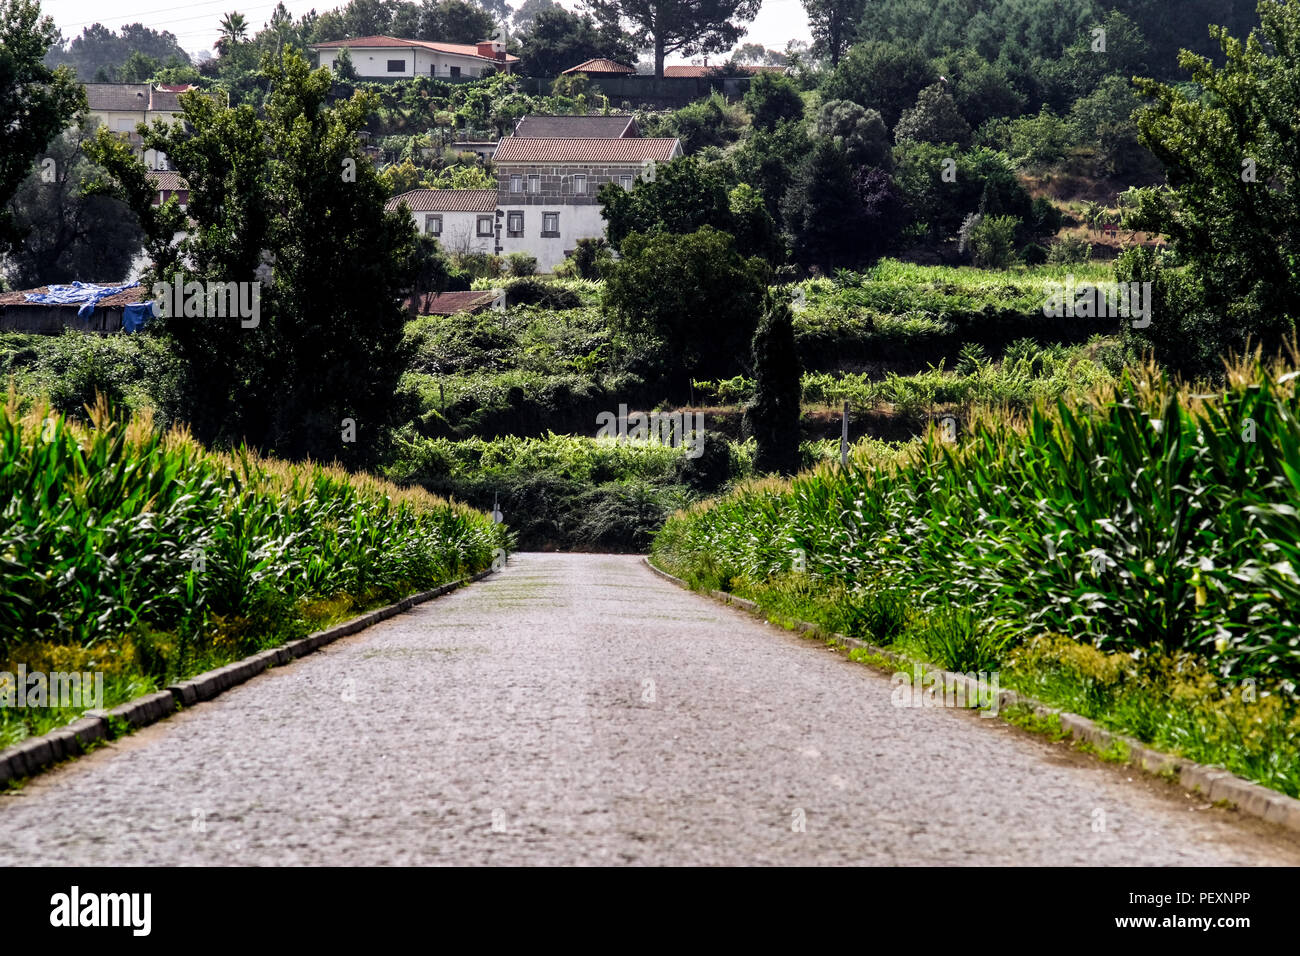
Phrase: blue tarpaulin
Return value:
(135, 316)
(87, 293)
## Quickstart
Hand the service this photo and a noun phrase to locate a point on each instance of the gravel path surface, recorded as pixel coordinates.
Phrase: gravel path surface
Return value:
(578, 709)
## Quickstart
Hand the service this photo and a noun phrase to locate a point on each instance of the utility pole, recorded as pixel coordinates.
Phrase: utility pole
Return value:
(844, 438)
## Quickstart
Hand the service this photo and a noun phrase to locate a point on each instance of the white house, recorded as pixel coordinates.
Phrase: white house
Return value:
(464, 220)
(547, 188)
(123, 106)
(384, 57)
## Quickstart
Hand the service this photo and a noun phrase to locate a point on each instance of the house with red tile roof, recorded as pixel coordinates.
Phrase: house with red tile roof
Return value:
(385, 57)
(463, 220)
(547, 188)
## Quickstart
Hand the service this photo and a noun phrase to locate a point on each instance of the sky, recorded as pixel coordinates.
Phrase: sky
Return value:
(195, 23)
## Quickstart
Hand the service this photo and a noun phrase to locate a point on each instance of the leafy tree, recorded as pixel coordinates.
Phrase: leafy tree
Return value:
(992, 241)
(36, 102)
(1104, 120)
(683, 195)
(526, 13)
(755, 54)
(289, 190)
(706, 122)
(772, 99)
(557, 39)
(71, 231)
(981, 89)
(454, 21)
(100, 51)
(138, 68)
(772, 417)
(861, 132)
(1233, 211)
(753, 227)
(834, 25)
(934, 119)
(767, 161)
(685, 27)
(343, 67)
(942, 186)
(693, 294)
(880, 76)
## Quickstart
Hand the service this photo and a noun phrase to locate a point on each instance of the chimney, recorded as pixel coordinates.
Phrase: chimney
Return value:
(493, 49)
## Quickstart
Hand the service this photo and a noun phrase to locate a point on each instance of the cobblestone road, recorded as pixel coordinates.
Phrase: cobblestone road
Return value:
(578, 709)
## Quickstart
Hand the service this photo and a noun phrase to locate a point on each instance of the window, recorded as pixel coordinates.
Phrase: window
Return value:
(579, 185)
(516, 184)
(550, 224)
(433, 225)
(396, 66)
(515, 224)
(455, 71)
(485, 225)
(534, 183)
(625, 182)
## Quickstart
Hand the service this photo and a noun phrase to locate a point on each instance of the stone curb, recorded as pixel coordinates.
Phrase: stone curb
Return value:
(1212, 783)
(36, 753)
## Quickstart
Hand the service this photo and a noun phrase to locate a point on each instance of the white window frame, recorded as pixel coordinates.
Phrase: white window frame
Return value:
(432, 220)
(534, 183)
(478, 229)
(550, 217)
(513, 217)
(625, 182)
(516, 183)
(579, 179)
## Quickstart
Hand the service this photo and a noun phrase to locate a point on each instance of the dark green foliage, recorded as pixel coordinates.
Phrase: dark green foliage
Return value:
(36, 102)
(772, 99)
(694, 293)
(534, 291)
(753, 227)
(70, 234)
(1233, 215)
(933, 119)
(328, 346)
(681, 197)
(773, 416)
(881, 76)
(101, 49)
(861, 132)
(822, 218)
(589, 257)
(984, 182)
(766, 161)
(558, 39)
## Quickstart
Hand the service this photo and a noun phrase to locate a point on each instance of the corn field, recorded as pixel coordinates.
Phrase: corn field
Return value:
(114, 530)
(1143, 516)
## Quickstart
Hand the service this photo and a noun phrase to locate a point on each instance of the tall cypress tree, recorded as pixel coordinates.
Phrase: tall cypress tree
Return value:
(773, 416)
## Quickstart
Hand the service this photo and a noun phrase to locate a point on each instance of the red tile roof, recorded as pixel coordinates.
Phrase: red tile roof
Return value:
(543, 126)
(449, 303)
(446, 200)
(601, 65)
(167, 180)
(376, 42)
(517, 149)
